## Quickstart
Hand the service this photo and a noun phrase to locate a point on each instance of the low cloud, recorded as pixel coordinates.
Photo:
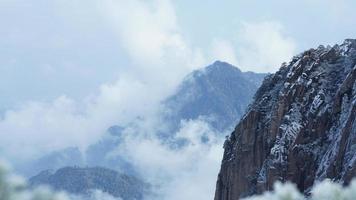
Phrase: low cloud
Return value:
(37, 128)
(224, 50)
(150, 34)
(187, 172)
(257, 46)
(263, 46)
(160, 59)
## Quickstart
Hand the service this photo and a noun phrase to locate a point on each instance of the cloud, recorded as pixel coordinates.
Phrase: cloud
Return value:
(94, 195)
(160, 57)
(37, 128)
(146, 29)
(188, 172)
(149, 32)
(224, 50)
(170, 170)
(263, 46)
(258, 47)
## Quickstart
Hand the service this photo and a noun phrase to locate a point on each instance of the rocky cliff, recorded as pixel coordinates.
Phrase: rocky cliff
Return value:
(300, 127)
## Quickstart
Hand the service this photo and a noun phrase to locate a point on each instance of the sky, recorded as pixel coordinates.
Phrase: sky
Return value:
(69, 69)
(62, 47)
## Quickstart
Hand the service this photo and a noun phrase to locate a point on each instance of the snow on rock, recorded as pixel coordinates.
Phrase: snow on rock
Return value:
(300, 128)
(326, 190)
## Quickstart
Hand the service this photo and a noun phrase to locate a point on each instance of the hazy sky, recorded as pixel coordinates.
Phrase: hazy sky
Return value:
(74, 67)
(71, 47)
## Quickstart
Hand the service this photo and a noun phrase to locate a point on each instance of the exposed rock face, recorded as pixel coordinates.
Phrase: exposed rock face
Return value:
(82, 181)
(300, 128)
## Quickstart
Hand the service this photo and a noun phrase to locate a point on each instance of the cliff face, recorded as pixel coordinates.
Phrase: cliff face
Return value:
(300, 128)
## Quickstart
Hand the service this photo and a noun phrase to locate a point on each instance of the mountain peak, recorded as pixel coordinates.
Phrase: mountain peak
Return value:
(221, 65)
(214, 92)
(219, 62)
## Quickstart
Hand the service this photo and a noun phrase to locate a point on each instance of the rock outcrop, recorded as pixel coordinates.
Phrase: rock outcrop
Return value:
(300, 128)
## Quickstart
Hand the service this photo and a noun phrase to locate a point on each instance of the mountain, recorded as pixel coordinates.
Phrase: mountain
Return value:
(97, 154)
(220, 93)
(300, 127)
(101, 152)
(82, 181)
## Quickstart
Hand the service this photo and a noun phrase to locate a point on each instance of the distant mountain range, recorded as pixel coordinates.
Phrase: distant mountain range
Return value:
(83, 181)
(219, 93)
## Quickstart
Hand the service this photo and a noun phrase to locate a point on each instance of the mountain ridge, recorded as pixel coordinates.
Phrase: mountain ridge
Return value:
(82, 181)
(203, 79)
(219, 91)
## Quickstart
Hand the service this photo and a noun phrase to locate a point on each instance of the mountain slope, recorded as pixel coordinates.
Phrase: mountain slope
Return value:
(82, 181)
(300, 128)
(219, 92)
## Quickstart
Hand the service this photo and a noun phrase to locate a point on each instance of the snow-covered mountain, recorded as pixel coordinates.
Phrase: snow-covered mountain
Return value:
(220, 93)
(300, 128)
